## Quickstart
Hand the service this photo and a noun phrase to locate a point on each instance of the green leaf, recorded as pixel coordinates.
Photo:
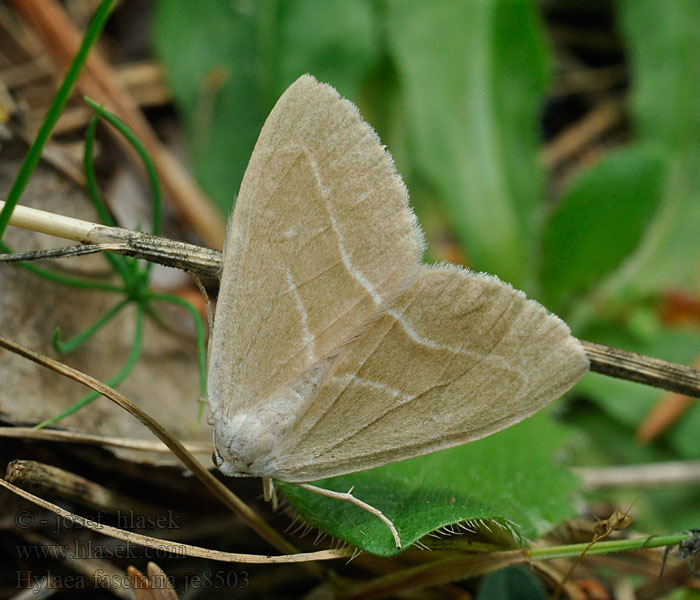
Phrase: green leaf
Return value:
(684, 434)
(600, 220)
(473, 75)
(334, 40)
(508, 477)
(208, 48)
(228, 63)
(663, 42)
(512, 583)
(669, 254)
(663, 39)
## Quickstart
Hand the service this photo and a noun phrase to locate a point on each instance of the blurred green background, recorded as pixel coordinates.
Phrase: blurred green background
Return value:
(475, 99)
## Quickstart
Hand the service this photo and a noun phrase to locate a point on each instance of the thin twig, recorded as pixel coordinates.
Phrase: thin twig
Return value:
(48, 480)
(643, 369)
(76, 437)
(172, 253)
(652, 475)
(204, 261)
(177, 548)
(573, 139)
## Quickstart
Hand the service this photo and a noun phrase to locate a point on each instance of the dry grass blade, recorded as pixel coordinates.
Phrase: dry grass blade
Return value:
(76, 437)
(214, 485)
(631, 366)
(645, 475)
(176, 548)
(571, 141)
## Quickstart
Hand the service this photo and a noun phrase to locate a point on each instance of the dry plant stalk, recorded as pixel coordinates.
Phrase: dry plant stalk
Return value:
(52, 481)
(76, 437)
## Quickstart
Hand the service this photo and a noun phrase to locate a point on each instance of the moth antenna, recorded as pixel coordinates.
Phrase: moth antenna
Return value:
(348, 497)
(207, 301)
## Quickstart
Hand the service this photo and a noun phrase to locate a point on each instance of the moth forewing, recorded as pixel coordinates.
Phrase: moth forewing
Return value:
(321, 234)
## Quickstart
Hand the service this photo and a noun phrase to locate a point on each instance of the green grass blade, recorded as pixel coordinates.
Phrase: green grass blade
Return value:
(151, 173)
(79, 339)
(118, 262)
(199, 335)
(59, 102)
(131, 360)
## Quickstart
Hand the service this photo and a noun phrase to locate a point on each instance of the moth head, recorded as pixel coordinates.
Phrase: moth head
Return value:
(238, 444)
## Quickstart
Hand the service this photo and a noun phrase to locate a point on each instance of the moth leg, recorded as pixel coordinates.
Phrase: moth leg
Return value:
(270, 492)
(348, 497)
(267, 488)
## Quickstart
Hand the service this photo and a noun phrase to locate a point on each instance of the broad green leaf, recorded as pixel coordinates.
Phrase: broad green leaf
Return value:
(228, 63)
(663, 42)
(334, 40)
(513, 583)
(508, 477)
(599, 221)
(208, 48)
(473, 76)
(669, 255)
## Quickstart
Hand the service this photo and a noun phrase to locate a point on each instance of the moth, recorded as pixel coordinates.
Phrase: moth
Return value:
(334, 349)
